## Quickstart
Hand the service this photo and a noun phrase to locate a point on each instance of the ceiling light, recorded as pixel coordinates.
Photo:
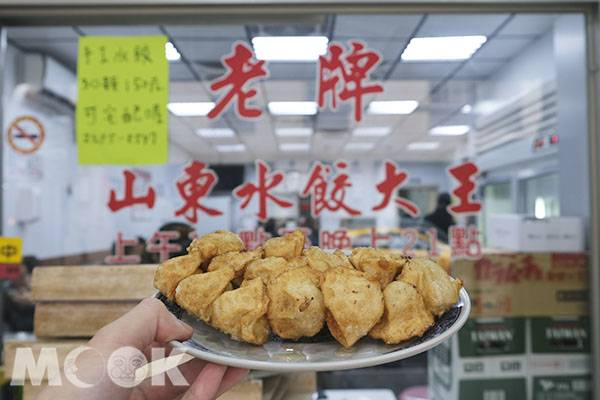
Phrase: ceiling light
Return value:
(171, 52)
(213, 133)
(289, 48)
(466, 109)
(442, 48)
(298, 131)
(423, 146)
(373, 131)
(290, 147)
(292, 107)
(197, 109)
(392, 107)
(230, 148)
(360, 146)
(450, 130)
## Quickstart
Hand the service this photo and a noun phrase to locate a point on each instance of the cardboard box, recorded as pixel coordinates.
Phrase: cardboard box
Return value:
(522, 233)
(526, 284)
(537, 358)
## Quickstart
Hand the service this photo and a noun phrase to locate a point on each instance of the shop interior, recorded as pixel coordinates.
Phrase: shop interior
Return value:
(509, 94)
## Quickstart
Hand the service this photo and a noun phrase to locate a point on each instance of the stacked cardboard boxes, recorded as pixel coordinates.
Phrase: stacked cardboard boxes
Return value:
(528, 336)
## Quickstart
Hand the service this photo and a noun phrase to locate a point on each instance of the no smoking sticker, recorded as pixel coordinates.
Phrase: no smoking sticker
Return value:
(25, 134)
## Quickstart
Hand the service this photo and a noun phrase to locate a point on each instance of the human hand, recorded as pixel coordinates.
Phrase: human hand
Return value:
(147, 326)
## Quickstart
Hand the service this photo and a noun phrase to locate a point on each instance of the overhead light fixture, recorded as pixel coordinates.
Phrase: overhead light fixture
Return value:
(294, 147)
(359, 146)
(231, 148)
(216, 133)
(297, 131)
(443, 48)
(171, 52)
(292, 107)
(289, 48)
(466, 109)
(423, 146)
(195, 109)
(372, 131)
(392, 107)
(450, 130)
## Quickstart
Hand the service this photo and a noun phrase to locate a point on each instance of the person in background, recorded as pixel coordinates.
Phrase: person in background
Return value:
(18, 300)
(440, 218)
(184, 239)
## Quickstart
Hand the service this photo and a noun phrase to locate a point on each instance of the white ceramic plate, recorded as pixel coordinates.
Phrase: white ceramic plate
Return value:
(319, 353)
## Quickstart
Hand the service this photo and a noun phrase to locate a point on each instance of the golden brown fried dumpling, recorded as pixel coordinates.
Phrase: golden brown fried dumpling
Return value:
(266, 268)
(171, 272)
(298, 262)
(354, 304)
(241, 313)
(377, 264)
(288, 246)
(439, 290)
(238, 260)
(216, 243)
(196, 293)
(405, 315)
(321, 261)
(296, 307)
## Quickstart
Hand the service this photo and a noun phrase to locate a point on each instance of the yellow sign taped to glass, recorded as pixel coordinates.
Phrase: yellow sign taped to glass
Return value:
(123, 88)
(11, 250)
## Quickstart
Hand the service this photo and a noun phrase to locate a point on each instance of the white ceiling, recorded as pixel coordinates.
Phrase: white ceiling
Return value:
(204, 45)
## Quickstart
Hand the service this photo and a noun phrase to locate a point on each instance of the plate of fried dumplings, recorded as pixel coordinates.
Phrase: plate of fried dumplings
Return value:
(283, 307)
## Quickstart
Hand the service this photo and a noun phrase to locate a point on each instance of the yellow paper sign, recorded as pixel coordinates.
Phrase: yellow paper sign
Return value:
(121, 116)
(11, 250)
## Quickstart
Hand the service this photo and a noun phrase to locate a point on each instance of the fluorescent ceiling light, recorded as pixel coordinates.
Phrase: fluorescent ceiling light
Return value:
(423, 146)
(289, 48)
(442, 48)
(450, 130)
(298, 131)
(230, 148)
(290, 147)
(392, 107)
(171, 52)
(292, 107)
(373, 131)
(466, 109)
(197, 109)
(213, 133)
(360, 146)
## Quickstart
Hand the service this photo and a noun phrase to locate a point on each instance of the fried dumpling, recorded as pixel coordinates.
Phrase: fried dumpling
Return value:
(241, 313)
(214, 244)
(288, 246)
(439, 290)
(196, 293)
(237, 260)
(405, 315)
(377, 264)
(354, 304)
(266, 268)
(296, 306)
(321, 261)
(171, 272)
(298, 262)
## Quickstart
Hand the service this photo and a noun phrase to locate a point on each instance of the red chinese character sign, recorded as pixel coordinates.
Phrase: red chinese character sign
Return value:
(464, 175)
(129, 198)
(344, 75)
(242, 69)
(394, 179)
(262, 189)
(328, 193)
(193, 187)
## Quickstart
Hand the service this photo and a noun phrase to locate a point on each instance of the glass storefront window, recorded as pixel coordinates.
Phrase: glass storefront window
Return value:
(445, 154)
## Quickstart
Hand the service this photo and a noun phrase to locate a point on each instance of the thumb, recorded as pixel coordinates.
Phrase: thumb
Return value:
(145, 324)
